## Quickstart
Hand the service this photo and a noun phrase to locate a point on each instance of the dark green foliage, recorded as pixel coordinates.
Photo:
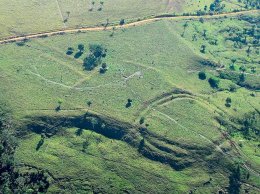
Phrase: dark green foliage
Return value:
(122, 22)
(250, 125)
(41, 142)
(141, 120)
(79, 132)
(228, 102)
(97, 52)
(70, 51)
(89, 103)
(242, 77)
(214, 82)
(216, 6)
(232, 88)
(141, 145)
(129, 103)
(202, 75)
(234, 181)
(242, 68)
(203, 48)
(90, 62)
(210, 63)
(103, 68)
(81, 47)
(12, 180)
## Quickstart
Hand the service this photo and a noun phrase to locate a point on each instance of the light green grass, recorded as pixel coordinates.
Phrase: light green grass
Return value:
(40, 73)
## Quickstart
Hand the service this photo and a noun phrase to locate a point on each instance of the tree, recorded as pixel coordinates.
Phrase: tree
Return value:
(101, 5)
(129, 103)
(122, 22)
(204, 33)
(97, 50)
(194, 37)
(228, 102)
(58, 108)
(141, 120)
(12, 180)
(242, 68)
(103, 68)
(234, 181)
(89, 103)
(70, 51)
(232, 88)
(242, 77)
(202, 75)
(214, 82)
(90, 62)
(203, 48)
(141, 145)
(81, 48)
(248, 51)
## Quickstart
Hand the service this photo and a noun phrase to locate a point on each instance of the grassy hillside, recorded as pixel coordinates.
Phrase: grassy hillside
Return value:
(154, 122)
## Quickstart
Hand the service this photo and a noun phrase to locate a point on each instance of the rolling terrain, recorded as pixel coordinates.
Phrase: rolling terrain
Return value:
(151, 98)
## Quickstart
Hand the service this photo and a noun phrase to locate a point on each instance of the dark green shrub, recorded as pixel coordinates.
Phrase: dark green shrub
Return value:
(202, 75)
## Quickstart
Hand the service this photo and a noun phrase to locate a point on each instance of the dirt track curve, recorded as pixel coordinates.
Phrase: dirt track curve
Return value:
(137, 23)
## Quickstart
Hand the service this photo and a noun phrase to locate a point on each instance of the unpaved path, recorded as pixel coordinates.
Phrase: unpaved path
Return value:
(137, 23)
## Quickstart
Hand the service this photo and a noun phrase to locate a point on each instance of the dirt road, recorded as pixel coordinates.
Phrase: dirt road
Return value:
(137, 23)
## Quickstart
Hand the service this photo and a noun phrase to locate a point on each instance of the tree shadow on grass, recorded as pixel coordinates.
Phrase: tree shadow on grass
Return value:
(40, 143)
(78, 55)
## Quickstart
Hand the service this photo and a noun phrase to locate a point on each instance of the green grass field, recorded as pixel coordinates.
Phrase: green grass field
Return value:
(179, 135)
(23, 17)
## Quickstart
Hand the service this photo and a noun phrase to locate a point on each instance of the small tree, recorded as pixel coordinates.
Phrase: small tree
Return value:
(58, 108)
(89, 103)
(129, 103)
(70, 51)
(242, 77)
(141, 120)
(203, 48)
(232, 88)
(232, 67)
(103, 68)
(194, 37)
(228, 102)
(81, 48)
(234, 181)
(204, 33)
(214, 82)
(122, 22)
(202, 75)
(101, 5)
(242, 68)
